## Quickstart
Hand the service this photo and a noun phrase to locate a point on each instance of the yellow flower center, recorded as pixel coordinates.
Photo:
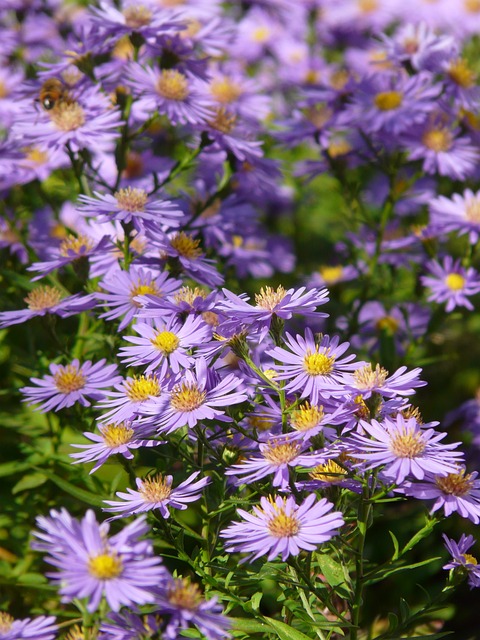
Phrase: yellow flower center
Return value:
(223, 121)
(141, 289)
(123, 49)
(455, 282)
(141, 388)
(261, 34)
(281, 453)
(331, 274)
(156, 489)
(469, 558)
(68, 379)
(388, 100)
(115, 435)
(318, 115)
(43, 298)
(186, 245)
(387, 324)
(455, 484)
(461, 73)
(472, 6)
(367, 377)
(75, 633)
(6, 622)
(268, 298)
(225, 90)
(282, 525)
(186, 396)
(438, 140)
(185, 594)
(131, 200)
(260, 423)
(472, 210)
(328, 472)
(367, 6)
(136, 17)
(306, 417)
(166, 342)
(338, 147)
(36, 156)
(189, 295)
(318, 364)
(173, 85)
(67, 116)
(408, 445)
(105, 566)
(71, 244)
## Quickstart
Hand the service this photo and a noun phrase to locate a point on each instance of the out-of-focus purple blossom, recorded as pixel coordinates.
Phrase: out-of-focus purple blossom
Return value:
(460, 213)
(41, 628)
(91, 565)
(451, 283)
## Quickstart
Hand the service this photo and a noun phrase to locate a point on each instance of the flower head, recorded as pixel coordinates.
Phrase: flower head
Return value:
(451, 283)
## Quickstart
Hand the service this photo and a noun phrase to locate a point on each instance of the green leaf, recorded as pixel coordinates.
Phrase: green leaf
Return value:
(333, 571)
(248, 626)
(81, 494)
(396, 546)
(255, 600)
(285, 631)
(10, 468)
(30, 481)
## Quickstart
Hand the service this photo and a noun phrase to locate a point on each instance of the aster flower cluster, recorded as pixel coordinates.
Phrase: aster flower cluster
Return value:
(249, 425)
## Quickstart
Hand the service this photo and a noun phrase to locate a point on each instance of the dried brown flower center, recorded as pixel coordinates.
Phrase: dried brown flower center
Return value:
(185, 595)
(156, 489)
(6, 621)
(43, 298)
(131, 200)
(408, 445)
(455, 484)
(368, 378)
(136, 17)
(223, 121)
(67, 116)
(281, 453)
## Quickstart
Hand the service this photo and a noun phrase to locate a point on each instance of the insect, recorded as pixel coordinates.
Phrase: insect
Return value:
(52, 93)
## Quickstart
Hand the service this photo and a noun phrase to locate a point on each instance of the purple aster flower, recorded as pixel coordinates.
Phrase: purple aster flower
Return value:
(460, 213)
(45, 300)
(41, 628)
(71, 383)
(114, 439)
(278, 456)
(198, 396)
(420, 45)
(186, 249)
(129, 396)
(227, 133)
(451, 283)
(90, 123)
(130, 204)
(157, 493)
(180, 96)
(183, 601)
(393, 103)
(280, 526)
(72, 249)
(403, 447)
(272, 303)
(122, 288)
(442, 149)
(367, 380)
(329, 474)
(91, 565)
(458, 491)
(165, 344)
(190, 300)
(128, 625)
(463, 561)
(314, 369)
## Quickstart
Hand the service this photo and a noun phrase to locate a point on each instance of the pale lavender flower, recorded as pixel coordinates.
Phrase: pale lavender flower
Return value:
(157, 493)
(120, 290)
(129, 625)
(71, 383)
(278, 456)
(403, 447)
(45, 300)
(460, 213)
(41, 628)
(366, 380)
(451, 283)
(458, 491)
(121, 439)
(128, 205)
(314, 370)
(165, 344)
(461, 560)
(91, 565)
(200, 394)
(129, 396)
(280, 526)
